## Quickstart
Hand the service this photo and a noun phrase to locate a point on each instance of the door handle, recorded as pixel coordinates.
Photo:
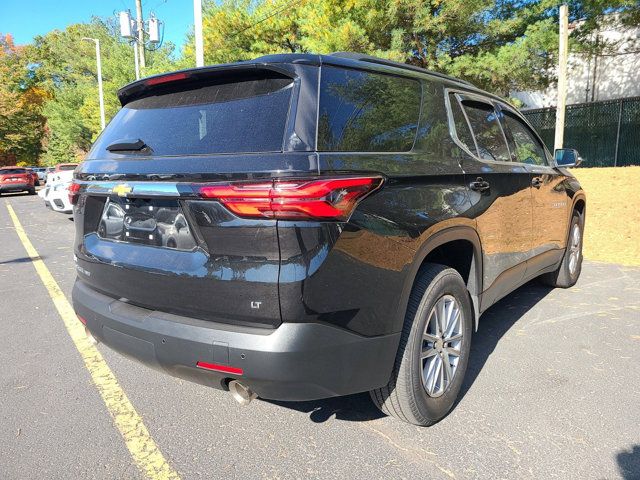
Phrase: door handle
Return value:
(536, 182)
(479, 185)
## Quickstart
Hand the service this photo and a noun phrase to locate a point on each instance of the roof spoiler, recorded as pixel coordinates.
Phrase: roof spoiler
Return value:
(165, 81)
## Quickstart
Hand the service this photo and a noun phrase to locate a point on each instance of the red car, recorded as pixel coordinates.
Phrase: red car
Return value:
(34, 175)
(16, 179)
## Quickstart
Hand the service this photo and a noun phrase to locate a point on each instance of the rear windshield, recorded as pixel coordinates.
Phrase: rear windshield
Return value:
(67, 167)
(10, 171)
(232, 115)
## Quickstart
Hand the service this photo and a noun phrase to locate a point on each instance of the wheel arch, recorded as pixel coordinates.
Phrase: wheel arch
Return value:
(448, 240)
(579, 204)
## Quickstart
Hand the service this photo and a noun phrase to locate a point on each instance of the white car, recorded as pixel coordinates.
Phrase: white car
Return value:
(56, 192)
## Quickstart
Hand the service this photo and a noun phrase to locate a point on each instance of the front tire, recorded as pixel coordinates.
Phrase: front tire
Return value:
(569, 270)
(434, 349)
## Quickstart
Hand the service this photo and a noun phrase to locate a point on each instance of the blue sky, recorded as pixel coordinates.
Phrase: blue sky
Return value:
(25, 19)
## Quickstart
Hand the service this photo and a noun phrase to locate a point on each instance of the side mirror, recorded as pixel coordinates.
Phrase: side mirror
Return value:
(567, 157)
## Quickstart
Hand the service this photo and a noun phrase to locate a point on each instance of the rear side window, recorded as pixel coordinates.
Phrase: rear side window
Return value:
(461, 125)
(241, 114)
(527, 148)
(487, 131)
(367, 112)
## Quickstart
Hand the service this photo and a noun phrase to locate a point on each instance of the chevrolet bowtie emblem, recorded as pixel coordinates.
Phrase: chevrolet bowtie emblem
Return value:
(122, 189)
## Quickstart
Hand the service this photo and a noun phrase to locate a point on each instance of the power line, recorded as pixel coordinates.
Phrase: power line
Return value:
(267, 17)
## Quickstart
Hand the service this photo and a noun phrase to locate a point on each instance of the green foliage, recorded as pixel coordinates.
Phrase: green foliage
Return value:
(48, 90)
(501, 46)
(21, 122)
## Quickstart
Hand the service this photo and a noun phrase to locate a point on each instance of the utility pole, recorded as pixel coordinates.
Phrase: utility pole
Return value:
(140, 29)
(100, 92)
(133, 31)
(562, 75)
(197, 20)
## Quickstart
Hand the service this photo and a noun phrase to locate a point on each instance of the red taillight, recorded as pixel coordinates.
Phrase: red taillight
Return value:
(166, 78)
(82, 320)
(334, 198)
(219, 368)
(74, 193)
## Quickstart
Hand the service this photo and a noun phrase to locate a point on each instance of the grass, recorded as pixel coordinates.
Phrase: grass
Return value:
(612, 232)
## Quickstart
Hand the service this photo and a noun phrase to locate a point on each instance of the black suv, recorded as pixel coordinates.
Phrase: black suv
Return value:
(299, 226)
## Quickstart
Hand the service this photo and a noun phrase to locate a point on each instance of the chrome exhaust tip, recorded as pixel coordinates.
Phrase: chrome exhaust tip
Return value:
(241, 393)
(93, 340)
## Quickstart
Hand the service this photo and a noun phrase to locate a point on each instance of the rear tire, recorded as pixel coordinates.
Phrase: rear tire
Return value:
(417, 392)
(32, 191)
(569, 270)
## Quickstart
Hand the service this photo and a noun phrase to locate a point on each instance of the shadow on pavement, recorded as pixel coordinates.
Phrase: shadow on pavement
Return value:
(494, 323)
(14, 194)
(19, 260)
(629, 463)
(352, 408)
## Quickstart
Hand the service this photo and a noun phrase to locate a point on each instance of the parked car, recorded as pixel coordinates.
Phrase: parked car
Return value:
(56, 191)
(346, 220)
(34, 176)
(42, 174)
(16, 179)
(61, 167)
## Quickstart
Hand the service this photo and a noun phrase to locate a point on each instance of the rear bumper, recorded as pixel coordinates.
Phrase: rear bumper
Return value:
(15, 187)
(59, 201)
(296, 361)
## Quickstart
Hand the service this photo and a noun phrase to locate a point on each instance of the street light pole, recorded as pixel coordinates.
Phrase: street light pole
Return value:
(197, 21)
(100, 92)
(135, 59)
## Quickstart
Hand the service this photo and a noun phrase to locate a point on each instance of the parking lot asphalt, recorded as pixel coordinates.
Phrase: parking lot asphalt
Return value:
(552, 391)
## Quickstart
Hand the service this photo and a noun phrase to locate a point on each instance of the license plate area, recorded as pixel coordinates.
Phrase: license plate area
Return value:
(154, 222)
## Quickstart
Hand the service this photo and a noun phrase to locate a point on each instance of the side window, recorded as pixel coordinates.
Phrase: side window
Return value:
(367, 112)
(487, 131)
(462, 126)
(527, 147)
(433, 133)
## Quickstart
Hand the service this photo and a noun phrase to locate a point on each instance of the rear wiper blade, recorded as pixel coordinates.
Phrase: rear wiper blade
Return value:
(128, 146)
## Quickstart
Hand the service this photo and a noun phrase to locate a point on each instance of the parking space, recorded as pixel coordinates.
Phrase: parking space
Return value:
(553, 390)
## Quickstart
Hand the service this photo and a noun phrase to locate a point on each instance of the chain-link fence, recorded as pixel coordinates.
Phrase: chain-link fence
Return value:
(606, 134)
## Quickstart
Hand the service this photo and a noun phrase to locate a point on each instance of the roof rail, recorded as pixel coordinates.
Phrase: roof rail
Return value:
(405, 66)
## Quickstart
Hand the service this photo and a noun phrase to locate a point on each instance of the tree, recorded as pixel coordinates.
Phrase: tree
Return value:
(502, 45)
(65, 66)
(21, 99)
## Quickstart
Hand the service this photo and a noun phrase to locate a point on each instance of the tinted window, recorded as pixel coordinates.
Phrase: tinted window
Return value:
(367, 112)
(433, 132)
(487, 131)
(527, 148)
(12, 171)
(461, 125)
(232, 116)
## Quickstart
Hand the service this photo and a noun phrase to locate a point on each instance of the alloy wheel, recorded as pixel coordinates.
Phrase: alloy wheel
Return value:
(574, 249)
(441, 345)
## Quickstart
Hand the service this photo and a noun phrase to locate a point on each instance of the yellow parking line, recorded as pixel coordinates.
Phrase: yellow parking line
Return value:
(142, 447)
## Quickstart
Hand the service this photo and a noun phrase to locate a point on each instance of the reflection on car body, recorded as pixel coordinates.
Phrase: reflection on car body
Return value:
(145, 222)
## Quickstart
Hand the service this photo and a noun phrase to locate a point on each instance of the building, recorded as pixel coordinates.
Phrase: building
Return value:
(610, 75)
